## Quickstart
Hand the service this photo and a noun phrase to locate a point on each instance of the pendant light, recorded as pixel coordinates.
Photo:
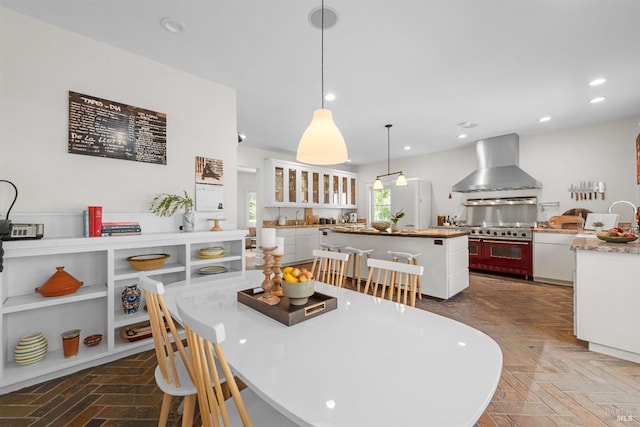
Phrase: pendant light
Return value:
(322, 143)
(401, 181)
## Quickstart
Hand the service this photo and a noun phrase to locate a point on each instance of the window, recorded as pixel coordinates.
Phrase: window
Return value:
(381, 204)
(251, 209)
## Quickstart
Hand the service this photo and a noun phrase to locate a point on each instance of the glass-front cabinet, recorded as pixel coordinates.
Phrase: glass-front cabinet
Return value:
(295, 184)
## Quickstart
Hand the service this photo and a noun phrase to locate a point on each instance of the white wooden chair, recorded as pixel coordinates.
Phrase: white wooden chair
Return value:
(329, 267)
(397, 278)
(174, 372)
(208, 359)
(410, 258)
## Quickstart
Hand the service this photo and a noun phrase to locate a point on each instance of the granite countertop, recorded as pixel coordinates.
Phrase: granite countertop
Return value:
(557, 230)
(429, 232)
(595, 244)
(311, 226)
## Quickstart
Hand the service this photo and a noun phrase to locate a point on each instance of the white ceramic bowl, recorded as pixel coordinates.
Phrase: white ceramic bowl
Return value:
(212, 251)
(298, 292)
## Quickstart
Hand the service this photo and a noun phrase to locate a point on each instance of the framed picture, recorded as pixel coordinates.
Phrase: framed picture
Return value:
(209, 171)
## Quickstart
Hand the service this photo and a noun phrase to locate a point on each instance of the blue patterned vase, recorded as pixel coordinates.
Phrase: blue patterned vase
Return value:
(130, 299)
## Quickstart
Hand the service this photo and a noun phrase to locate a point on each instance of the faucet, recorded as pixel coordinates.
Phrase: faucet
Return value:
(297, 213)
(634, 221)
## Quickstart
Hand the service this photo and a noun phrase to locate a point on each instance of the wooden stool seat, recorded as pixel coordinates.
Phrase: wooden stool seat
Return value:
(355, 259)
(332, 248)
(411, 258)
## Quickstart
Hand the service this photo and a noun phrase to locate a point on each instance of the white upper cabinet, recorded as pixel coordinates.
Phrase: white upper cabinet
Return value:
(290, 184)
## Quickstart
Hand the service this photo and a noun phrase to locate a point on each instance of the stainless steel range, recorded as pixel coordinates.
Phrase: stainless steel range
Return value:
(505, 233)
(501, 240)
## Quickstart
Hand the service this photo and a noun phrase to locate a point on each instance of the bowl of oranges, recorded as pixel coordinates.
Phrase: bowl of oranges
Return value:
(298, 285)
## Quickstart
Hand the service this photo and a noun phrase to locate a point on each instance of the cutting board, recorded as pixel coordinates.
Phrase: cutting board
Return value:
(608, 220)
(564, 221)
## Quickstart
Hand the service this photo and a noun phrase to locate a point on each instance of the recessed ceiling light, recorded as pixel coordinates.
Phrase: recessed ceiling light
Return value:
(597, 99)
(544, 119)
(462, 136)
(597, 82)
(467, 125)
(348, 160)
(172, 25)
(406, 148)
(330, 97)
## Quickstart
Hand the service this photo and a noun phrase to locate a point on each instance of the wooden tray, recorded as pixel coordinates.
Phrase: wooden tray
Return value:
(286, 313)
(138, 331)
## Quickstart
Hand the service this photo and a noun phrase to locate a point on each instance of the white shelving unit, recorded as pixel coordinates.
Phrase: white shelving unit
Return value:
(95, 308)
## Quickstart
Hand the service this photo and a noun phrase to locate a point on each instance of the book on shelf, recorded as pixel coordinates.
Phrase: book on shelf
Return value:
(122, 233)
(94, 221)
(97, 221)
(119, 223)
(120, 228)
(85, 223)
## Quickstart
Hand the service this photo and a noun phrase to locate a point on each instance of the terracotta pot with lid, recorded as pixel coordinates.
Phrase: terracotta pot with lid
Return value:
(60, 283)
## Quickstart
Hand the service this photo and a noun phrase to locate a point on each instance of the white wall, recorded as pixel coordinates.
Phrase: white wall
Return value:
(600, 152)
(42, 63)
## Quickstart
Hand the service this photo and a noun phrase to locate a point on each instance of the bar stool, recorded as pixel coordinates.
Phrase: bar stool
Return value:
(331, 248)
(412, 258)
(355, 257)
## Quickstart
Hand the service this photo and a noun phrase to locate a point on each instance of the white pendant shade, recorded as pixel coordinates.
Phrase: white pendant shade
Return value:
(401, 181)
(322, 143)
(377, 185)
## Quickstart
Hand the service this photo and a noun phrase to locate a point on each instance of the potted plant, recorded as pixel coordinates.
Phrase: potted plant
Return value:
(395, 218)
(167, 204)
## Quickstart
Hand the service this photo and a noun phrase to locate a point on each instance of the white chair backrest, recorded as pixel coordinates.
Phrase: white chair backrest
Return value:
(328, 267)
(160, 319)
(204, 346)
(397, 278)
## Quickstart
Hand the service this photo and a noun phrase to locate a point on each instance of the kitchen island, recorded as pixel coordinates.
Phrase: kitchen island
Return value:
(443, 252)
(607, 296)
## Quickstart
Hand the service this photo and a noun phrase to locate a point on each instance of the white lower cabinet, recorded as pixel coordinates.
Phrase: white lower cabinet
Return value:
(95, 308)
(553, 259)
(307, 240)
(299, 243)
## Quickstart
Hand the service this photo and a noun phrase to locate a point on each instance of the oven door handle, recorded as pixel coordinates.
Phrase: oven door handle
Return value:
(514, 242)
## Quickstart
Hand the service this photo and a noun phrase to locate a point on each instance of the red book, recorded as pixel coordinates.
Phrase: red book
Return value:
(97, 221)
(92, 221)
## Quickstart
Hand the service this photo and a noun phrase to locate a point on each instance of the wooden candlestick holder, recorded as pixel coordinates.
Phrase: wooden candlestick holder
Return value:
(267, 283)
(277, 275)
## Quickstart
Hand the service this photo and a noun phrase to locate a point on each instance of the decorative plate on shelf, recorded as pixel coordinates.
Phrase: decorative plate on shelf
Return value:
(620, 239)
(214, 269)
(203, 256)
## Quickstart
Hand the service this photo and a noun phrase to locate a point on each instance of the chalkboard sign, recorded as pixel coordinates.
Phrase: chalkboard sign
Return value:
(98, 127)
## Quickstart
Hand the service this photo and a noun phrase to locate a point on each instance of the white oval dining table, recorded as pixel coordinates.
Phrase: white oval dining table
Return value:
(370, 362)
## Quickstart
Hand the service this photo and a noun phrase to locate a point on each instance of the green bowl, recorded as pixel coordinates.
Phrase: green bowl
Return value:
(612, 239)
(299, 292)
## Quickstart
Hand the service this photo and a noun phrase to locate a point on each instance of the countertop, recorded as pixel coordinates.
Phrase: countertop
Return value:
(592, 243)
(312, 226)
(557, 230)
(439, 233)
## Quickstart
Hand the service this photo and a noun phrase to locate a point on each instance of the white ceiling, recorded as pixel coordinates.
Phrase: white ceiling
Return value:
(423, 65)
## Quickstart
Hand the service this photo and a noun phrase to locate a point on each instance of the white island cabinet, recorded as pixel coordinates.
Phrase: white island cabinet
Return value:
(96, 307)
(444, 255)
(607, 296)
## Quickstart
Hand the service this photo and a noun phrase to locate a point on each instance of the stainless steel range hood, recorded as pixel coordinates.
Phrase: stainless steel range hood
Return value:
(497, 167)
